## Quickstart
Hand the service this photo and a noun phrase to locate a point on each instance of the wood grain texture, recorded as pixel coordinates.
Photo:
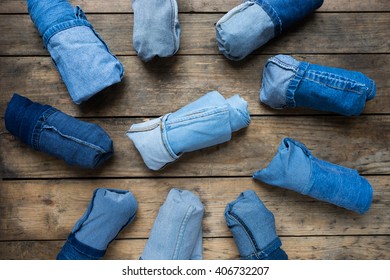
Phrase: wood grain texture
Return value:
(361, 143)
(48, 209)
(315, 248)
(166, 85)
(320, 33)
(119, 6)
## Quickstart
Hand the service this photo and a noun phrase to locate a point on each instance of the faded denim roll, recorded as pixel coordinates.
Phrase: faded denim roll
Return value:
(156, 31)
(253, 23)
(108, 213)
(208, 121)
(82, 58)
(296, 169)
(49, 130)
(177, 230)
(253, 228)
(288, 82)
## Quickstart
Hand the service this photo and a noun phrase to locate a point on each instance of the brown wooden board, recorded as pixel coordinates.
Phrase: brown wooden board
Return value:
(321, 248)
(118, 6)
(166, 85)
(320, 33)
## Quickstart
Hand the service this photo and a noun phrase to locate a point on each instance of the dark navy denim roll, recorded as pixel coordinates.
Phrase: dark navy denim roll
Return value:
(47, 129)
(288, 82)
(82, 58)
(108, 213)
(253, 228)
(253, 23)
(295, 168)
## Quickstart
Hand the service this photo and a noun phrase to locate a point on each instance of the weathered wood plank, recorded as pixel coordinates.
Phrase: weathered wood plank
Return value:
(320, 33)
(162, 86)
(361, 143)
(48, 209)
(316, 248)
(118, 6)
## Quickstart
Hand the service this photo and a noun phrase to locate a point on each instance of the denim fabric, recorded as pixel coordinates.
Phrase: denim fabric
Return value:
(109, 211)
(177, 230)
(47, 129)
(253, 228)
(253, 23)
(290, 83)
(82, 58)
(208, 121)
(295, 168)
(156, 28)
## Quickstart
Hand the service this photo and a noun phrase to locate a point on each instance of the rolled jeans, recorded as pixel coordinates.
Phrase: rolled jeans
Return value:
(208, 121)
(49, 130)
(177, 230)
(288, 82)
(253, 228)
(253, 23)
(82, 58)
(295, 168)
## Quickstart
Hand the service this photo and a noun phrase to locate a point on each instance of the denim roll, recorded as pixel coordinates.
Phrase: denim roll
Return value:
(82, 58)
(156, 29)
(47, 129)
(254, 22)
(295, 168)
(177, 230)
(208, 121)
(253, 228)
(288, 82)
(108, 212)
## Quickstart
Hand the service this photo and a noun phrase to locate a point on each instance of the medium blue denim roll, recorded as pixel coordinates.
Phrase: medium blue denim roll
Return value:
(288, 82)
(177, 230)
(254, 22)
(253, 228)
(82, 58)
(156, 29)
(47, 129)
(295, 168)
(109, 212)
(208, 121)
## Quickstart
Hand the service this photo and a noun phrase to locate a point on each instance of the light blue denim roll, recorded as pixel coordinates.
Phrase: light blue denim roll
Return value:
(208, 121)
(253, 228)
(156, 29)
(49, 130)
(177, 230)
(295, 168)
(82, 58)
(288, 82)
(254, 22)
(109, 212)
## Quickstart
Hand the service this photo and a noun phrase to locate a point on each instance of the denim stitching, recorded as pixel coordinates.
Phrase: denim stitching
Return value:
(283, 64)
(63, 26)
(164, 138)
(272, 247)
(294, 83)
(38, 127)
(183, 226)
(272, 14)
(206, 113)
(173, 24)
(79, 141)
(246, 230)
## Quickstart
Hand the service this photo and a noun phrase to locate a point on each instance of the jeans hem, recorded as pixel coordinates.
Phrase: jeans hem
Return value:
(266, 252)
(294, 83)
(267, 7)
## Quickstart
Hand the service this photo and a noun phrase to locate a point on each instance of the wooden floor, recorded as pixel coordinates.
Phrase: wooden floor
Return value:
(41, 197)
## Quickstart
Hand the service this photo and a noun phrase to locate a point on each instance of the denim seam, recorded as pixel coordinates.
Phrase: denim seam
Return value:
(164, 138)
(273, 246)
(182, 228)
(74, 139)
(200, 114)
(38, 127)
(267, 7)
(294, 83)
(173, 24)
(338, 88)
(283, 64)
(246, 230)
(62, 27)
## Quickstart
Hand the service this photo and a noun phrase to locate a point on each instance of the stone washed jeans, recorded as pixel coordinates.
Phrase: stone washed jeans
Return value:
(49, 130)
(288, 82)
(82, 58)
(208, 121)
